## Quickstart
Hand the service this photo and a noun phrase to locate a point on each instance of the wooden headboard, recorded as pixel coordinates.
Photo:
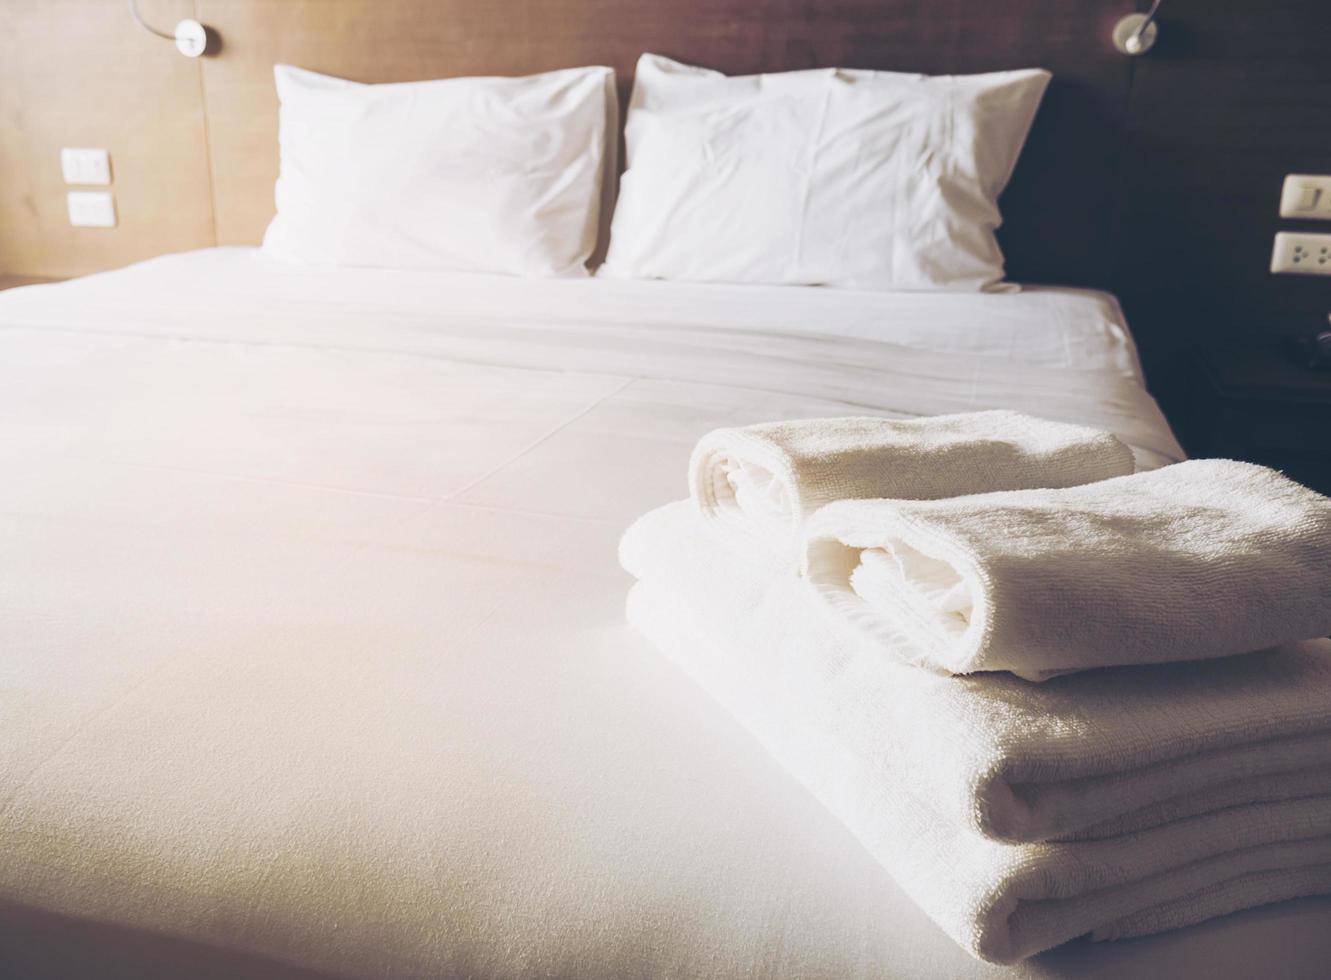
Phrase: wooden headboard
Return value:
(224, 105)
(1061, 193)
(1156, 177)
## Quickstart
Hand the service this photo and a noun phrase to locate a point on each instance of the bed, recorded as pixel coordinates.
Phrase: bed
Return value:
(314, 655)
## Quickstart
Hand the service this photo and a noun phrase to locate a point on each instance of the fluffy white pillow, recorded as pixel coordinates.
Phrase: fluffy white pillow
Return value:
(869, 180)
(476, 174)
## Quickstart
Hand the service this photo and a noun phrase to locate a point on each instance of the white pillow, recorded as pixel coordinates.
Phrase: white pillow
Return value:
(869, 180)
(476, 174)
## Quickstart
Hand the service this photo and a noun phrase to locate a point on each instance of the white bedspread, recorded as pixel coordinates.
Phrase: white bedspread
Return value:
(312, 628)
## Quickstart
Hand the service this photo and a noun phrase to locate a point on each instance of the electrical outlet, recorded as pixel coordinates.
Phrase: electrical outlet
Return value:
(1306, 196)
(1305, 255)
(85, 166)
(92, 209)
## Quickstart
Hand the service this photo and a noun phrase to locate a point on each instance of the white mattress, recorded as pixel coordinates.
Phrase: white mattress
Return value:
(312, 630)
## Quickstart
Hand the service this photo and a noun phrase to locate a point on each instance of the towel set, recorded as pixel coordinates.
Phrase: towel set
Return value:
(872, 600)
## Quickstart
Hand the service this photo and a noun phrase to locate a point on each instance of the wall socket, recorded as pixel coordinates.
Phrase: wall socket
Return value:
(1304, 255)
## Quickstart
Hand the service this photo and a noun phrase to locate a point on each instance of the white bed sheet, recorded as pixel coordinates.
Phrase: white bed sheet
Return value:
(312, 630)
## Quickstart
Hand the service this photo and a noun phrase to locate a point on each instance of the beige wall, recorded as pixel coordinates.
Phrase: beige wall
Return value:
(80, 73)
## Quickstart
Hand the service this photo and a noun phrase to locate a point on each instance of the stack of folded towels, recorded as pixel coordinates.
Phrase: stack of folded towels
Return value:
(906, 614)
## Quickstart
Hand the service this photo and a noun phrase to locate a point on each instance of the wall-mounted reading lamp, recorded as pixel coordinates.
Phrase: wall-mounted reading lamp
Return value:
(191, 37)
(1136, 33)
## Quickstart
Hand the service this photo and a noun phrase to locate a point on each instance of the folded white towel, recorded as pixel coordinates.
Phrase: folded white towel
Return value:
(917, 764)
(1088, 755)
(1200, 559)
(765, 480)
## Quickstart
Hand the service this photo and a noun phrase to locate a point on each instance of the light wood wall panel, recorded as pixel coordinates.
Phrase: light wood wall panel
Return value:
(81, 73)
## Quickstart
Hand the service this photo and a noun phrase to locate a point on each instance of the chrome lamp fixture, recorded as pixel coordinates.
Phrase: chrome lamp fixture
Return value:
(1136, 34)
(190, 37)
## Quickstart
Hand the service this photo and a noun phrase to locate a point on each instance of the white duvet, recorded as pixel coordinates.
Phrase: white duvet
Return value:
(312, 628)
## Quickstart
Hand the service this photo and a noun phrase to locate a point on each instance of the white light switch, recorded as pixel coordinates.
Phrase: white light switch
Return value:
(92, 209)
(85, 166)
(1306, 196)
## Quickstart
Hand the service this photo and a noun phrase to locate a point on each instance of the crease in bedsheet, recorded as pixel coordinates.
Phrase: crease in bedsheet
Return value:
(494, 363)
(538, 441)
(79, 725)
(926, 382)
(448, 498)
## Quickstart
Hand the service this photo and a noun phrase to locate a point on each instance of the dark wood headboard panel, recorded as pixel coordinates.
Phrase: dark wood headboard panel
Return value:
(1060, 201)
(1236, 95)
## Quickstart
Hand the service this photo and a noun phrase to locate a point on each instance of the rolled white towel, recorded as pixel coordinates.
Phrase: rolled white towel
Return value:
(1201, 559)
(1193, 789)
(765, 480)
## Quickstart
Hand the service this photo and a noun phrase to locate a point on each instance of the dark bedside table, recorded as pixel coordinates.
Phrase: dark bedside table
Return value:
(1257, 403)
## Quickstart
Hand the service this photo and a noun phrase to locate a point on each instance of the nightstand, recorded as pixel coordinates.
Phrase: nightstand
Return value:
(9, 282)
(1255, 402)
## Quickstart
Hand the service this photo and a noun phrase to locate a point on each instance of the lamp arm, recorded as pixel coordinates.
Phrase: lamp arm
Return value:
(138, 19)
(1141, 28)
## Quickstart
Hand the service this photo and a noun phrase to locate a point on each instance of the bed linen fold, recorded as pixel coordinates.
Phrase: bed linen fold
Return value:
(860, 351)
(913, 763)
(1205, 558)
(763, 481)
